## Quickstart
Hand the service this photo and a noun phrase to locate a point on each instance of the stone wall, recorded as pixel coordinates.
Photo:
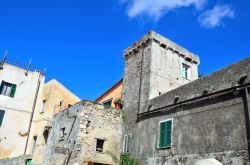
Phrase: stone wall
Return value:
(21, 160)
(153, 66)
(75, 132)
(213, 126)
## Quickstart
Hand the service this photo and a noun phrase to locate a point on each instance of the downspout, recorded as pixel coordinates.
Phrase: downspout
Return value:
(32, 113)
(247, 117)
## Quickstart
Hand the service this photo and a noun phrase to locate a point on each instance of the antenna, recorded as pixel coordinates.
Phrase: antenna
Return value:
(27, 69)
(44, 71)
(4, 59)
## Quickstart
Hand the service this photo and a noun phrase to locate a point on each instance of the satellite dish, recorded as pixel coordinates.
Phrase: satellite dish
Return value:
(208, 162)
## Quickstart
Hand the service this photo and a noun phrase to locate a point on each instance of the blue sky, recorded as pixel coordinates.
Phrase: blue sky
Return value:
(81, 42)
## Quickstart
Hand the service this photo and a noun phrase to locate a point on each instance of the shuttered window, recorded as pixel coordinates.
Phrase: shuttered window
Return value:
(1, 117)
(165, 134)
(7, 89)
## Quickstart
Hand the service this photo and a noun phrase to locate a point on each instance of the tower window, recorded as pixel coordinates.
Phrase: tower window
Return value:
(185, 71)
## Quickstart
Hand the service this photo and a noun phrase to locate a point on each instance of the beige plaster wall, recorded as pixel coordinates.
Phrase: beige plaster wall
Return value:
(53, 92)
(14, 128)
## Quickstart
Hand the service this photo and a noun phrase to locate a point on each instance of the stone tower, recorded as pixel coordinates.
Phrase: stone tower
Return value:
(155, 65)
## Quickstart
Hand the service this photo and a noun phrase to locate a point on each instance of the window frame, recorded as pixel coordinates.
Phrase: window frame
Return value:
(109, 100)
(61, 104)
(8, 88)
(128, 144)
(97, 149)
(187, 71)
(34, 143)
(172, 124)
(43, 106)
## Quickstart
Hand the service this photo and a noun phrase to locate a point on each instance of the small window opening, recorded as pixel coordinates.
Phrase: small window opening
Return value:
(46, 135)
(61, 105)
(43, 106)
(63, 132)
(34, 143)
(99, 145)
(107, 103)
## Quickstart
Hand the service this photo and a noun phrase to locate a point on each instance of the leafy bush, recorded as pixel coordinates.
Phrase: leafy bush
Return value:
(125, 159)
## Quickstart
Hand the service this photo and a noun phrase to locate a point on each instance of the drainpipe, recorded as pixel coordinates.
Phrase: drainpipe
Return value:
(32, 113)
(247, 117)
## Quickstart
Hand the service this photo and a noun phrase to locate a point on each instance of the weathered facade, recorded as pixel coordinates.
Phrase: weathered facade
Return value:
(53, 98)
(155, 65)
(209, 117)
(18, 93)
(85, 133)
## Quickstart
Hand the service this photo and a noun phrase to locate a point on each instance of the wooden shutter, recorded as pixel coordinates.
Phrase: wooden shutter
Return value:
(162, 134)
(13, 90)
(165, 134)
(1, 116)
(1, 86)
(168, 133)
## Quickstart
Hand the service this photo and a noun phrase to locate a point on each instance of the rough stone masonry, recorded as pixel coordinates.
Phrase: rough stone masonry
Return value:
(75, 132)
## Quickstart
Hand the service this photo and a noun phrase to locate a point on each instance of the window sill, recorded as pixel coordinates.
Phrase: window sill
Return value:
(100, 152)
(164, 148)
(186, 79)
(6, 96)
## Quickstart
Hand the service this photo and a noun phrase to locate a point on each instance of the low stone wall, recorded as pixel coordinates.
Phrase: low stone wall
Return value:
(226, 158)
(22, 160)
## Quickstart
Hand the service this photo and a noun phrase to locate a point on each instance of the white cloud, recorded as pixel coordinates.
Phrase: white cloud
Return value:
(157, 8)
(212, 18)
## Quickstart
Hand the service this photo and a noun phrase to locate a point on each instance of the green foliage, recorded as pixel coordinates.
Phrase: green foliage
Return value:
(118, 101)
(125, 159)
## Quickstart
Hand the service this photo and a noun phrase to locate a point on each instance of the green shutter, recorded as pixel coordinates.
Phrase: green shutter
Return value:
(1, 86)
(13, 90)
(1, 117)
(162, 134)
(168, 133)
(28, 162)
(165, 134)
